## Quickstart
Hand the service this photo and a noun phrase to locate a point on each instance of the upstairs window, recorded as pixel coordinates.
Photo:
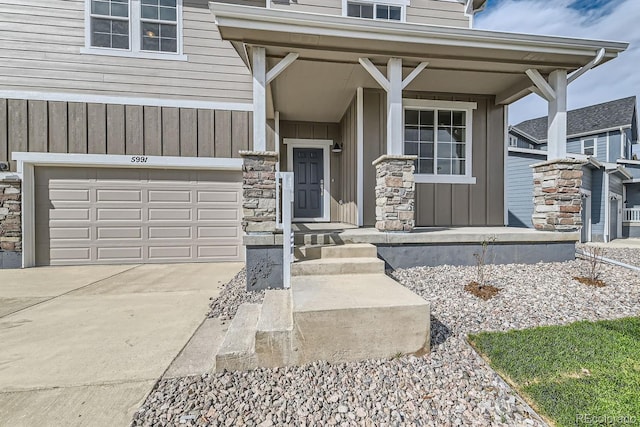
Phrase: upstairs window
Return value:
(513, 141)
(110, 24)
(141, 28)
(373, 10)
(589, 147)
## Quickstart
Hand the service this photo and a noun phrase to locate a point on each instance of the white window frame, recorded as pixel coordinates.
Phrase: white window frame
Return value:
(467, 107)
(135, 38)
(595, 146)
(513, 141)
(400, 3)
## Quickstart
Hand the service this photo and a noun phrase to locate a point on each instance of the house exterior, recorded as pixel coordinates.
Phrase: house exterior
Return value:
(605, 135)
(137, 131)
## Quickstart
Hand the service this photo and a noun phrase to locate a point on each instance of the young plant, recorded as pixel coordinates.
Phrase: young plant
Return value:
(593, 255)
(481, 262)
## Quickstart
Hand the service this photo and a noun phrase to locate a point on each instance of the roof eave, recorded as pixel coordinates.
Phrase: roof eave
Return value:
(253, 18)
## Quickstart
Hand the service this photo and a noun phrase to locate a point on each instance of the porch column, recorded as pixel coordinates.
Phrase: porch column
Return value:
(395, 129)
(259, 99)
(395, 193)
(557, 131)
(556, 195)
(259, 191)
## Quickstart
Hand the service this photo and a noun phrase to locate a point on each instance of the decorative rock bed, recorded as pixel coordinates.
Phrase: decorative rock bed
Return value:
(451, 386)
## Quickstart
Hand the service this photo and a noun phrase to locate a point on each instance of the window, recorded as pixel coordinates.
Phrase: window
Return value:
(513, 141)
(371, 10)
(439, 133)
(110, 24)
(141, 28)
(589, 147)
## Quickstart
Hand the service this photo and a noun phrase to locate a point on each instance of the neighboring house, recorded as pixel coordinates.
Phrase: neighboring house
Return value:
(603, 133)
(123, 120)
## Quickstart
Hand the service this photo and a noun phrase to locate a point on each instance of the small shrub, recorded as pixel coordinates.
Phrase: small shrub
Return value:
(481, 287)
(593, 255)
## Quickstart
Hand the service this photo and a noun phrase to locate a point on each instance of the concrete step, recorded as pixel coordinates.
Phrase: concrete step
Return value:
(237, 351)
(355, 250)
(330, 266)
(317, 238)
(347, 317)
(273, 334)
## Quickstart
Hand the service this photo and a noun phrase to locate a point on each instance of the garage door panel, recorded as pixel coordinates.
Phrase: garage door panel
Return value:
(70, 254)
(168, 253)
(118, 195)
(119, 214)
(218, 251)
(119, 253)
(68, 195)
(170, 233)
(73, 233)
(219, 196)
(176, 214)
(169, 196)
(107, 216)
(218, 232)
(218, 214)
(119, 233)
(69, 214)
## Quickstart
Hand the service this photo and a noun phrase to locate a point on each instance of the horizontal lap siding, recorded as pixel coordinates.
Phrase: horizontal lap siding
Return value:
(520, 188)
(41, 43)
(437, 12)
(327, 7)
(69, 127)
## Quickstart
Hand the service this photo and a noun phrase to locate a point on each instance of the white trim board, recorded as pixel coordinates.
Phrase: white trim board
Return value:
(135, 161)
(325, 145)
(28, 161)
(110, 99)
(360, 154)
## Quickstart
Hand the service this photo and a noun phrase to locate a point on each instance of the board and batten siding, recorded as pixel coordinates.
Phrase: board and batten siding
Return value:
(597, 205)
(347, 211)
(520, 187)
(72, 127)
(430, 12)
(313, 130)
(41, 45)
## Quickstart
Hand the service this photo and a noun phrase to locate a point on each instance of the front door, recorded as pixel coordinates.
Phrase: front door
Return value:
(308, 168)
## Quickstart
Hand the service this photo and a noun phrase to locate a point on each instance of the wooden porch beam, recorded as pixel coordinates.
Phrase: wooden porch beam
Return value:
(413, 74)
(519, 90)
(281, 66)
(547, 91)
(375, 73)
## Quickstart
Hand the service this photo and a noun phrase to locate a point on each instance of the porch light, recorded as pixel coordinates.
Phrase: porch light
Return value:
(337, 148)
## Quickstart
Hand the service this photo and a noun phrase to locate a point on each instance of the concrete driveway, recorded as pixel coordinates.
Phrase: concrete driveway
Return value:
(84, 345)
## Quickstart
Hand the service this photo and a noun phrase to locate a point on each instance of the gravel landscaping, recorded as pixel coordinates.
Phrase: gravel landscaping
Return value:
(231, 296)
(629, 256)
(451, 386)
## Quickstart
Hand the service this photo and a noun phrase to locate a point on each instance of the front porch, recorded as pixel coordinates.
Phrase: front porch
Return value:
(424, 246)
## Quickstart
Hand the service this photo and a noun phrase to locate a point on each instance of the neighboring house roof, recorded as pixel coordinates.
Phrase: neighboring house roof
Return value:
(586, 120)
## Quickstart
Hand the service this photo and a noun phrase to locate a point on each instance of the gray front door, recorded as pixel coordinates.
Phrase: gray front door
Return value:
(308, 168)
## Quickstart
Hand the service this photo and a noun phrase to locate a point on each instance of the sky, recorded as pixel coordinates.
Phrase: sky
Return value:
(615, 20)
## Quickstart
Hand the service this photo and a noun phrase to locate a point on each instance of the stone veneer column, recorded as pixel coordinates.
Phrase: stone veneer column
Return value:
(395, 193)
(556, 191)
(10, 223)
(259, 191)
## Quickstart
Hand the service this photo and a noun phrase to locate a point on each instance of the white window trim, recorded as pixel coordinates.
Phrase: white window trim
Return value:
(513, 141)
(468, 108)
(325, 145)
(402, 3)
(595, 146)
(134, 36)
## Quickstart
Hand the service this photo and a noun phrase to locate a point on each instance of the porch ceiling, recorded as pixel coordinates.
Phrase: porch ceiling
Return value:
(320, 84)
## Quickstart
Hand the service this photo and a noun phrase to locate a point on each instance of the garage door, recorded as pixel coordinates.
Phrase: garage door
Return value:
(114, 216)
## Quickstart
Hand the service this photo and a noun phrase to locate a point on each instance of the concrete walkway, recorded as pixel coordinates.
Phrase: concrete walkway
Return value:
(630, 243)
(84, 345)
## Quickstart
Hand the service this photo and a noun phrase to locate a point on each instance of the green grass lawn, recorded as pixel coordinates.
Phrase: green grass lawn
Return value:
(588, 368)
